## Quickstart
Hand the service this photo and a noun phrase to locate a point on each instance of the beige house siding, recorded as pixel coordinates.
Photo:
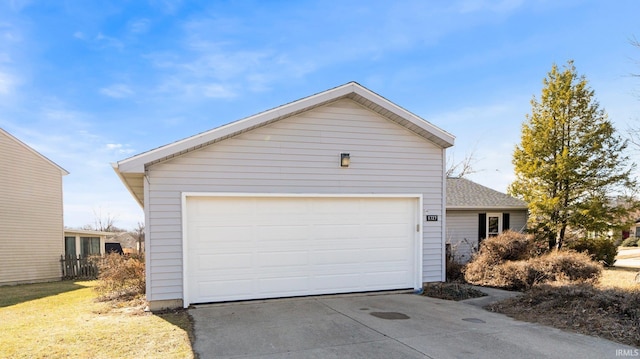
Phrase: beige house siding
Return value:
(299, 154)
(462, 229)
(31, 214)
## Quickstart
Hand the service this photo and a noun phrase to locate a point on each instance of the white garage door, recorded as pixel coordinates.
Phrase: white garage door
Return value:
(266, 247)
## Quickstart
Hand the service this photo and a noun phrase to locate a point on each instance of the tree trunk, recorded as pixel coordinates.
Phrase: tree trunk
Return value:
(552, 240)
(560, 239)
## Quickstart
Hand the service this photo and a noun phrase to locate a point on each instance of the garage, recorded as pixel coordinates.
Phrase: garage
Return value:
(337, 192)
(253, 247)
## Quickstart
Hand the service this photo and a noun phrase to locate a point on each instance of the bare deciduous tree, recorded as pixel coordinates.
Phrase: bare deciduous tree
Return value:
(104, 223)
(139, 234)
(462, 168)
(634, 130)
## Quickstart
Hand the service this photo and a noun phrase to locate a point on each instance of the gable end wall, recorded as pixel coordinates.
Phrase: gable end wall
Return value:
(295, 155)
(31, 220)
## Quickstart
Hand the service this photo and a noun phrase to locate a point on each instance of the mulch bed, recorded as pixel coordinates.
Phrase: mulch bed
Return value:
(612, 314)
(451, 291)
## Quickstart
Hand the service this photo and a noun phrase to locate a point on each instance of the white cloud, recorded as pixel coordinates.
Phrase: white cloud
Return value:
(168, 6)
(109, 41)
(501, 6)
(139, 26)
(18, 5)
(79, 35)
(113, 146)
(119, 148)
(117, 91)
(217, 91)
(7, 82)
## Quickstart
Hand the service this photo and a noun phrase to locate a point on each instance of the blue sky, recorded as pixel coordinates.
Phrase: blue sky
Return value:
(88, 83)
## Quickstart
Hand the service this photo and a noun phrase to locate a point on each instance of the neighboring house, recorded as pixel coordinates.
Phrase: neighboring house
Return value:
(633, 231)
(84, 242)
(31, 214)
(475, 212)
(128, 242)
(327, 194)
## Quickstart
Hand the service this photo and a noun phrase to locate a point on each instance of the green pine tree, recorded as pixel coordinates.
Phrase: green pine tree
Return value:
(571, 165)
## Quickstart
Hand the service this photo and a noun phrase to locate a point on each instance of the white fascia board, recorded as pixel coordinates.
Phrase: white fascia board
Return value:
(414, 119)
(116, 169)
(136, 164)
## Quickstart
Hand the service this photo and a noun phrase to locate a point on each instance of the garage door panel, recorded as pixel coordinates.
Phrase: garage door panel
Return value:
(283, 233)
(334, 257)
(224, 261)
(282, 259)
(263, 247)
(211, 290)
(324, 234)
(388, 278)
(384, 255)
(284, 285)
(337, 282)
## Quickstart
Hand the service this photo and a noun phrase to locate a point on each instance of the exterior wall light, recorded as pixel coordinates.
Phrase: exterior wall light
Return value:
(345, 160)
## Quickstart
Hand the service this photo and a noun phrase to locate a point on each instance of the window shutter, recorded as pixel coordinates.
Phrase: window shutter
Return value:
(505, 222)
(482, 227)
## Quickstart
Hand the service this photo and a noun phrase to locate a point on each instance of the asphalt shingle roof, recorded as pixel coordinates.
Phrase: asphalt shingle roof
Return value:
(462, 193)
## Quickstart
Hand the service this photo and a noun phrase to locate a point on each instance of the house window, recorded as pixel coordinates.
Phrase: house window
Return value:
(70, 246)
(90, 245)
(637, 232)
(494, 224)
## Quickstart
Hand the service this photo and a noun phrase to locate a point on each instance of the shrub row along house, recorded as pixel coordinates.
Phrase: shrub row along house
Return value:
(342, 191)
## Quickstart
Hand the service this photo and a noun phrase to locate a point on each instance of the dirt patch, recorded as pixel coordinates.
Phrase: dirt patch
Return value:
(609, 313)
(451, 291)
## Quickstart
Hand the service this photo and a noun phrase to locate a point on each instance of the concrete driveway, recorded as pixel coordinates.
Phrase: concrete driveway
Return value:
(628, 257)
(380, 326)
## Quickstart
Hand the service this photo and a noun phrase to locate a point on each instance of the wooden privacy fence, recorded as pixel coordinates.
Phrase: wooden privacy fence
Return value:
(79, 267)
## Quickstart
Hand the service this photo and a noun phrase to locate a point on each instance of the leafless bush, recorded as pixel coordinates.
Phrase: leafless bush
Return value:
(504, 262)
(508, 246)
(121, 277)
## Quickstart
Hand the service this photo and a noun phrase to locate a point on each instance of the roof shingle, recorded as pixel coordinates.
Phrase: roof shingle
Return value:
(465, 194)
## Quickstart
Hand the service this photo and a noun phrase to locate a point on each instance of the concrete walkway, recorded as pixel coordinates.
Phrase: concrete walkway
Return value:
(380, 326)
(493, 295)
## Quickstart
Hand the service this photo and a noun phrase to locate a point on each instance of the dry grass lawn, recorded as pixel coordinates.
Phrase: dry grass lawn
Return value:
(609, 309)
(64, 320)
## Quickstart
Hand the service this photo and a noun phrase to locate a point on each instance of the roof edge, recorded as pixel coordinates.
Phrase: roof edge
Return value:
(32, 150)
(136, 164)
(472, 208)
(87, 231)
(126, 184)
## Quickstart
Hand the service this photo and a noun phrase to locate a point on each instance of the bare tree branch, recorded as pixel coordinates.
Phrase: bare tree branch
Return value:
(139, 234)
(462, 168)
(104, 223)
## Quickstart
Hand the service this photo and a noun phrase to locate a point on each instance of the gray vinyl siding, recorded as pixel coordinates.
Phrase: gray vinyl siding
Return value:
(299, 154)
(462, 229)
(31, 221)
(518, 220)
